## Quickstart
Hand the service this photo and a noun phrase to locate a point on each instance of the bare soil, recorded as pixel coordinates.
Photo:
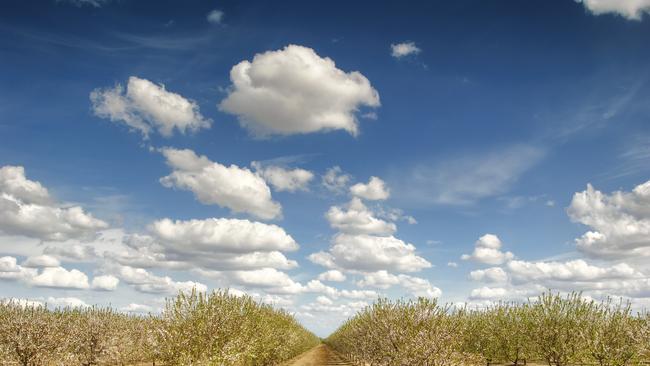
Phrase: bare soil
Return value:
(318, 356)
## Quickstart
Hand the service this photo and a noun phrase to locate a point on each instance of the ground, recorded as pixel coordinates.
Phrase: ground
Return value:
(318, 356)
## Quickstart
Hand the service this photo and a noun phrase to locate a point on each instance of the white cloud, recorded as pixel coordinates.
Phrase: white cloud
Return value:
(337, 310)
(489, 293)
(493, 274)
(370, 253)
(59, 277)
(322, 258)
(419, 287)
(137, 308)
(41, 261)
(27, 209)
(324, 300)
(14, 183)
(399, 50)
(358, 219)
(215, 16)
(374, 190)
(10, 270)
(466, 179)
(146, 107)
(572, 271)
(359, 294)
(147, 282)
(380, 279)
(233, 187)
(620, 222)
(293, 91)
(283, 179)
(335, 180)
(488, 250)
(522, 279)
(71, 302)
(221, 235)
(629, 9)
(272, 280)
(72, 252)
(332, 275)
(452, 264)
(414, 285)
(208, 244)
(105, 283)
(315, 286)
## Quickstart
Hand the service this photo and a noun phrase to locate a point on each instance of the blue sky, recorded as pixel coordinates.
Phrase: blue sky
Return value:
(129, 132)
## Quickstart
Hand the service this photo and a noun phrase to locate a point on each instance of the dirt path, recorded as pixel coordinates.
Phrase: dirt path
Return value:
(318, 356)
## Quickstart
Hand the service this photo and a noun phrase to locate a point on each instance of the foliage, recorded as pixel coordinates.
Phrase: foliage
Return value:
(220, 329)
(194, 329)
(557, 330)
(403, 333)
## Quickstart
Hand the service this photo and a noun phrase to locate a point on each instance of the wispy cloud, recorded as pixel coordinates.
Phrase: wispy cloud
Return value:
(634, 159)
(596, 109)
(112, 42)
(466, 179)
(94, 3)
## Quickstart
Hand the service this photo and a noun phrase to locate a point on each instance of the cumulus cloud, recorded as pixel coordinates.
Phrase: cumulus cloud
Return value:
(489, 293)
(146, 107)
(324, 300)
(573, 271)
(226, 244)
(493, 274)
(335, 180)
(295, 91)
(520, 279)
(380, 279)
(399, 50)
(374, 190)
(269, 280)
(137, 308)
(233, 187)
(283, 179)
(27, 209)
(13, 182)
(414, 285)
(370, 253)
(316, 286)
(223, 235)
(41, 261)
(69, 302)
(629, 9)
(620, 222)
(332, 275)
(71, 252)
(105, 283)
(10, 270)
(356, 218)
(215, 16)
(147, 282)
(341, 310)
(59, 277)
(273, 280)
(487, 249)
